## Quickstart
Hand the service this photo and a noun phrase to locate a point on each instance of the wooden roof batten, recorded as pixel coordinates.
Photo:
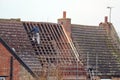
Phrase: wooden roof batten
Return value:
(57, 43)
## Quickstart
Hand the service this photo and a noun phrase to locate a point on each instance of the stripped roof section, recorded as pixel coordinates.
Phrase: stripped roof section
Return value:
(54, 44)
(54, 47)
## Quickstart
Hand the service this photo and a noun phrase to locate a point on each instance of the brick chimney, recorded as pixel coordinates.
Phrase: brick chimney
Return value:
(110, 30)
(66, 23)
(106, 25)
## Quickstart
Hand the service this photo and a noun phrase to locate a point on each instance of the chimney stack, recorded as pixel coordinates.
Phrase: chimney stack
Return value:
(64, 14)
(106, 19)
(66, 23)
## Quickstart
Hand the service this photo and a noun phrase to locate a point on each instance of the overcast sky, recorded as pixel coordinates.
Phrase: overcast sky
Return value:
(85, 12)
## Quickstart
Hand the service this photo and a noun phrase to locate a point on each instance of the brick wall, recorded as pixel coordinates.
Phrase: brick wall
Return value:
(5, 58)
(19, 72)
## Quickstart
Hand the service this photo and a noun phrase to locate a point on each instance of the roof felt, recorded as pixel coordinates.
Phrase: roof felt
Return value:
(97, 49)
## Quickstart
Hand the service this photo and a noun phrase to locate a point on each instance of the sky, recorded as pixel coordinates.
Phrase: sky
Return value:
(84, 12)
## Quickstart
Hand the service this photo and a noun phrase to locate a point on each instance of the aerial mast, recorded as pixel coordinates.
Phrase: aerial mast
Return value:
(110, 9)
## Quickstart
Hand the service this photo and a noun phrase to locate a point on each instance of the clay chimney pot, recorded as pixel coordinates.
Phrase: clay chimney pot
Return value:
(106, 19)
(64, 14)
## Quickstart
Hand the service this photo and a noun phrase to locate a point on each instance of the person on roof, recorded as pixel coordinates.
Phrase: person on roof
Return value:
(36, 36)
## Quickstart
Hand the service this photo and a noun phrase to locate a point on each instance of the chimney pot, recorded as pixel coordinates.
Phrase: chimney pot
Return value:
(64, 14)
(106, 19)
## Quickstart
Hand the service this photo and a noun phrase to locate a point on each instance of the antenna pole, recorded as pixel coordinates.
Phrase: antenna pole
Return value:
(110, 9)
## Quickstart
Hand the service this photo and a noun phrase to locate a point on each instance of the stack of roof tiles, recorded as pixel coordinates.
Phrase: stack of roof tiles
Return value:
(97, 49)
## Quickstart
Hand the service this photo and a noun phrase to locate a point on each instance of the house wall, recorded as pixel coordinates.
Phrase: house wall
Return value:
(19, 72)
(5, 58)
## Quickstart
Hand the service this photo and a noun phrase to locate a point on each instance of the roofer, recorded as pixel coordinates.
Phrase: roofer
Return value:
(36, 36)
(91, 73)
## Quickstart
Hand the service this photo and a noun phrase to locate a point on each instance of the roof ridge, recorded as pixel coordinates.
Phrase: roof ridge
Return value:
(12, 19)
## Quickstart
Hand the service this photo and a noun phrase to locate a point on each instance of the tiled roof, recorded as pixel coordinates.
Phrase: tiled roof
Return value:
(97, 49)
(15, 36)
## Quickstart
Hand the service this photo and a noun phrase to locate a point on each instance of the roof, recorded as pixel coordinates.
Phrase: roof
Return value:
(97, 49)
(53, 42)
(14, 34)
(53, 50)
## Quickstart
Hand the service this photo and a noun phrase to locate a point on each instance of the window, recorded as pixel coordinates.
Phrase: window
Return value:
(2, 78)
